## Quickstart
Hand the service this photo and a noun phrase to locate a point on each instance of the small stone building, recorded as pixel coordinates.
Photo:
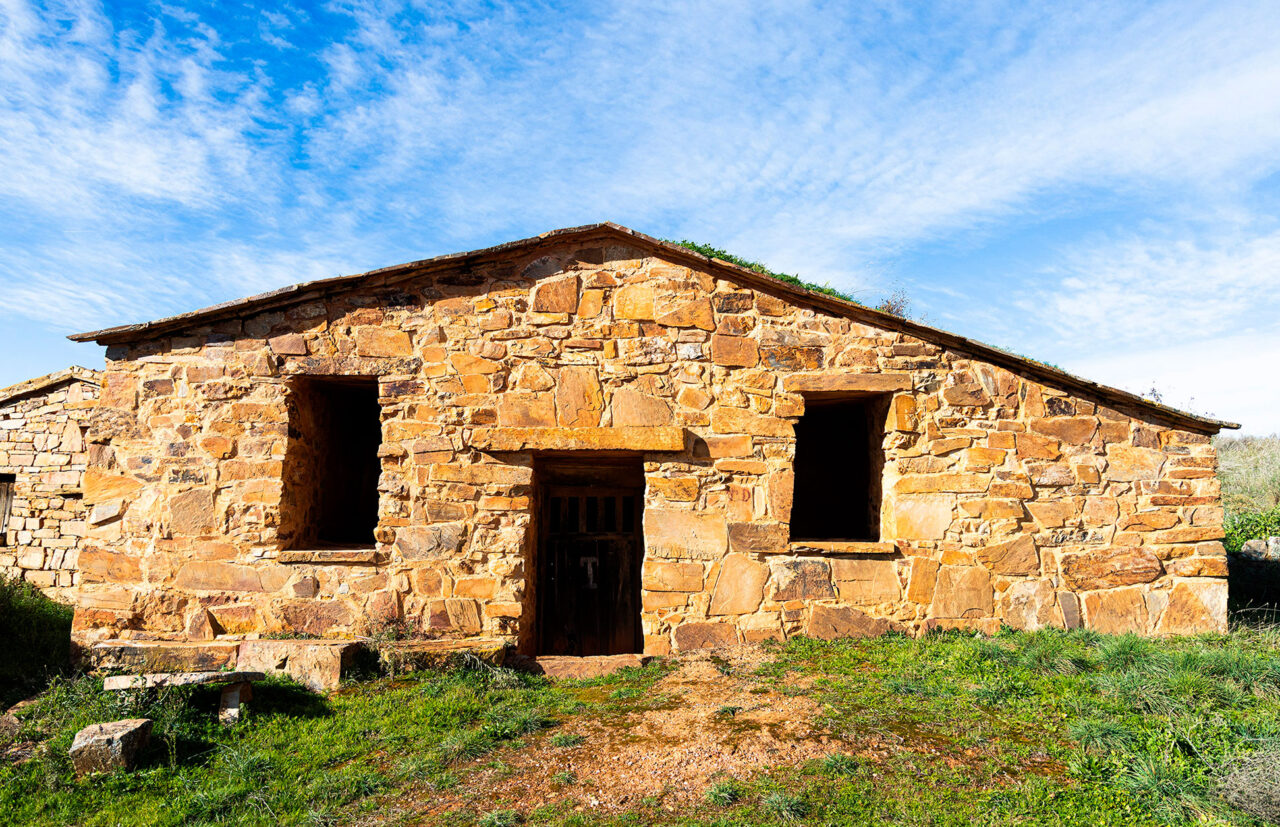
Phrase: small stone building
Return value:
(596, 442)
(43, 455)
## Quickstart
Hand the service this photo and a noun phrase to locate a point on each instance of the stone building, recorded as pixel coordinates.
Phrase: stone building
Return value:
(42, 462)
(595, 442)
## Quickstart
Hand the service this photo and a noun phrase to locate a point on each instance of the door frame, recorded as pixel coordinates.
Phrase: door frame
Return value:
(581, 470)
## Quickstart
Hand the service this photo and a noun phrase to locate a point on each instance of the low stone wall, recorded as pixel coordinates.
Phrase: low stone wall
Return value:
(43, 455)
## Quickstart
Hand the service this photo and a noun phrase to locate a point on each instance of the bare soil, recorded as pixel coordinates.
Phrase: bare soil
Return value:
(703, 725)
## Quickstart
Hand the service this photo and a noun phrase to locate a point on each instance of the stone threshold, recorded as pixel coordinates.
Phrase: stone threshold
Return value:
(842, 547)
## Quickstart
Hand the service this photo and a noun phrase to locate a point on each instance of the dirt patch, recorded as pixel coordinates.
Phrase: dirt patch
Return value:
(706, 720)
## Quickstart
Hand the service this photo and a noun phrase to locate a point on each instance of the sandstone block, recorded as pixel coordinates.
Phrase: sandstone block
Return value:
(670, 576)
(634, 301)
(734, 351)
(191, 513)
(430, 542)
(791, 357)
(526, 410)
(962, 592)
(801, 580)
(383, 342)
(1072, 430)
(1017, 557)
(109, 747)
(923, 517)
(758, 538)
(866, 582)
(1126, 463)
(555, 295)
(579, 401)
(685, 534)
(834, 622)
(679, 310)
(1110, 567)
(1117, 611)
(209, 575)
(632, 408)
(1028, 605)
(934, 483)
(1051, 513)
(1195, 606)
(317, 617)
(691, 636)
(740, 586)
(676, 489)
(921, 580)
(741, 421)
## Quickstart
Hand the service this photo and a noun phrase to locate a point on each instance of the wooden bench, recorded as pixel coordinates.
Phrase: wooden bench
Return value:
(237, 690)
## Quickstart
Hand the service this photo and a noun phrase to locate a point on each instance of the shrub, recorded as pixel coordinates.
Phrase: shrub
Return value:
(37, 640)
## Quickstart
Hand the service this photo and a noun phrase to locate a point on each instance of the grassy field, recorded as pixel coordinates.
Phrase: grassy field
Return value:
(1042, 728)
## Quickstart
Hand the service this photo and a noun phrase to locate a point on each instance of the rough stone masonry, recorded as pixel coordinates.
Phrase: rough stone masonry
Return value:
(1000, 490)
(43, 456)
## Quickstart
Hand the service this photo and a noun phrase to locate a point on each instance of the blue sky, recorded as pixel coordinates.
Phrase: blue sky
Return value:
(1096, 185)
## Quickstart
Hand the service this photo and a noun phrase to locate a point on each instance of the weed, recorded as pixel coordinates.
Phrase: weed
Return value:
(786, 807)
(724, 793)
(565, 740)
(564, 777)
(500, 818)
(837, 765)
(728, 711)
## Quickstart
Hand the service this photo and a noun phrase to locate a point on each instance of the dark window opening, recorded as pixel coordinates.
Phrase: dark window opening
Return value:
(7, 483)
(332, 465)
(838, 467)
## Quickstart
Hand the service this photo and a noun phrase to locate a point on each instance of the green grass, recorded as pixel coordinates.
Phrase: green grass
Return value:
(787, 278)
(37, 640)
(1043, 728)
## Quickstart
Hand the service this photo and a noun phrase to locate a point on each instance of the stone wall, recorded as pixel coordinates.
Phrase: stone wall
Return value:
(1004, 500)
(42, 447)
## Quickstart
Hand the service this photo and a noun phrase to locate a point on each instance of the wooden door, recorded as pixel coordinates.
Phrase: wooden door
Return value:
(589, 574)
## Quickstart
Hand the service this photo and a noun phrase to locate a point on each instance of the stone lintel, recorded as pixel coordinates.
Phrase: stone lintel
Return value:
(332, 556)
(632, 438)
(841, 547)
(819, 383)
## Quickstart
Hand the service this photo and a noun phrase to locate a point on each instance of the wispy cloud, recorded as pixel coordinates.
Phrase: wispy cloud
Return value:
(160, 161)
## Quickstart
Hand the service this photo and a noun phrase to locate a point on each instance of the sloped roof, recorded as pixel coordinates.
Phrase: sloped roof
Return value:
(40, 383)
(306, 291)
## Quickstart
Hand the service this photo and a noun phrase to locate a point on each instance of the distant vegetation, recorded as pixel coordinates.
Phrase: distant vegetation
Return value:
(37, 640)
(1249, 468)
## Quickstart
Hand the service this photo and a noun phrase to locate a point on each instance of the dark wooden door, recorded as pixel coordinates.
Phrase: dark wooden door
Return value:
(589, 578)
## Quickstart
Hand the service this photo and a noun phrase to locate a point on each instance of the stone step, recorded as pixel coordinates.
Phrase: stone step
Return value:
(417, 655)
(319, 665)
(155, 679)
(138, 656)
(592, 666)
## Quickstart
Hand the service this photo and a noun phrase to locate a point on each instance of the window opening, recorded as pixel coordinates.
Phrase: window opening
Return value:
(7, 484)
(838, 468)
(332, 464)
